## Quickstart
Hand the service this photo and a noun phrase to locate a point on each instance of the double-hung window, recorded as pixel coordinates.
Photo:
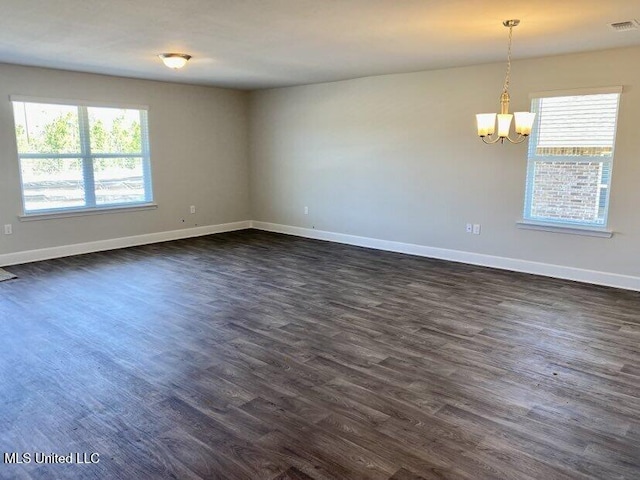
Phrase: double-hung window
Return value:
(78, 157)
(571, 158)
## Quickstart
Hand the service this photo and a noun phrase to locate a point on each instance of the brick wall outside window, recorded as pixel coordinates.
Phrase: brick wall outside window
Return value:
(567, 190)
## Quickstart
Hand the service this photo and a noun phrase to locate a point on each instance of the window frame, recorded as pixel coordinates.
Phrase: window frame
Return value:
(567, 226)
(87, 158)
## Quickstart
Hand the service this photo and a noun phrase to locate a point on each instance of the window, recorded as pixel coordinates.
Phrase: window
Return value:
(570, 158)
(81, 157)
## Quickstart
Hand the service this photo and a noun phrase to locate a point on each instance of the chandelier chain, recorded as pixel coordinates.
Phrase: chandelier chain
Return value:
(507, 77)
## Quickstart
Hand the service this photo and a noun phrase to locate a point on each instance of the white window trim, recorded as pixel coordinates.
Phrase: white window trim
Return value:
(133, 207)
(75, 102)
(576, 91)
(593, 231)
(577, 230)
(92, 210)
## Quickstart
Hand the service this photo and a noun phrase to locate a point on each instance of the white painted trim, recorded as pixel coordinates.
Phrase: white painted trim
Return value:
(114, 243)
(526, 266)
(546, 227)
(75, 102)
(548, 270)
(52, 215)
(576, 91)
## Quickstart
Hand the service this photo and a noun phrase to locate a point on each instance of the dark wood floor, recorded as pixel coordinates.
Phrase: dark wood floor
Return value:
(252, 355)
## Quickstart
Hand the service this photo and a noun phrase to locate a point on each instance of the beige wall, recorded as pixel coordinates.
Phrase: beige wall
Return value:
(198, 139)
(396, 158)
(390, 157)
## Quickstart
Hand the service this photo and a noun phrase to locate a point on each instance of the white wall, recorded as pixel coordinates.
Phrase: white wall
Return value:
(199, 156)
(396, 157)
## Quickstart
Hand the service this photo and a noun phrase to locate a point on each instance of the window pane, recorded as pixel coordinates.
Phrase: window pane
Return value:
(576, 125)
(46, 128)
(570, 159)
(77, 157)
(569, 191)
(52, 183)
(119, 180)
(114, 130)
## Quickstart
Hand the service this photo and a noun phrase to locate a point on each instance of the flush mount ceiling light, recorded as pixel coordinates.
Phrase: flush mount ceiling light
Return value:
(175, 60)
(487, 121)
(625, 26)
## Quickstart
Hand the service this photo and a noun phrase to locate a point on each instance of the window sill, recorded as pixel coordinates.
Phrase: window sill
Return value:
(546, 227)
(29, 217)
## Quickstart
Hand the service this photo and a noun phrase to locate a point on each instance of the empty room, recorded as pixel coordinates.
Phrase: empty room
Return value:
(312, 240)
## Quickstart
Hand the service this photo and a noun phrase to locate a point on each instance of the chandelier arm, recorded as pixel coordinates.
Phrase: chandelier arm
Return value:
(491, 141)
(519, 139)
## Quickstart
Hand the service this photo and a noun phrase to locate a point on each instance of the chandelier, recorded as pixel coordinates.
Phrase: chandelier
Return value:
(487, 121)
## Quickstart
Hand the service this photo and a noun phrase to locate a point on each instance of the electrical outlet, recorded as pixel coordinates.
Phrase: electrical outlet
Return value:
(193, 209)
(469, 228)
(8, 229)
(476, 229)
(306, 210)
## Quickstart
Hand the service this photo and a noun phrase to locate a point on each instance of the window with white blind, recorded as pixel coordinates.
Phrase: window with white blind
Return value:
(81, 157)
(570, 158)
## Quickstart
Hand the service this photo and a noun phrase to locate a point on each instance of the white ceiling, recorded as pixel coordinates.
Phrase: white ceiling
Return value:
(270, 43)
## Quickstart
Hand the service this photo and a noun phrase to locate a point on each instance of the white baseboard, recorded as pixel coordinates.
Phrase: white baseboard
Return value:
(114, 243)
(556, 271)
(548, 270)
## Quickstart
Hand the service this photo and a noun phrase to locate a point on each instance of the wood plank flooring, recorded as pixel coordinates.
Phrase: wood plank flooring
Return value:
(251, 355)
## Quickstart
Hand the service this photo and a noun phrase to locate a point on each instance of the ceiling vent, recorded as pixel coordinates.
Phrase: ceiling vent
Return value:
(624, 26)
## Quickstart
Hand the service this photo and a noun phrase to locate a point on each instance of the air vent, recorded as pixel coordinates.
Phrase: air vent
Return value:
(624, 26)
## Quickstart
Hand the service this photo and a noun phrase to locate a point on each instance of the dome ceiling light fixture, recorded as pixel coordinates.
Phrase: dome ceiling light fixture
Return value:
(175, 60)
(487, 121)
